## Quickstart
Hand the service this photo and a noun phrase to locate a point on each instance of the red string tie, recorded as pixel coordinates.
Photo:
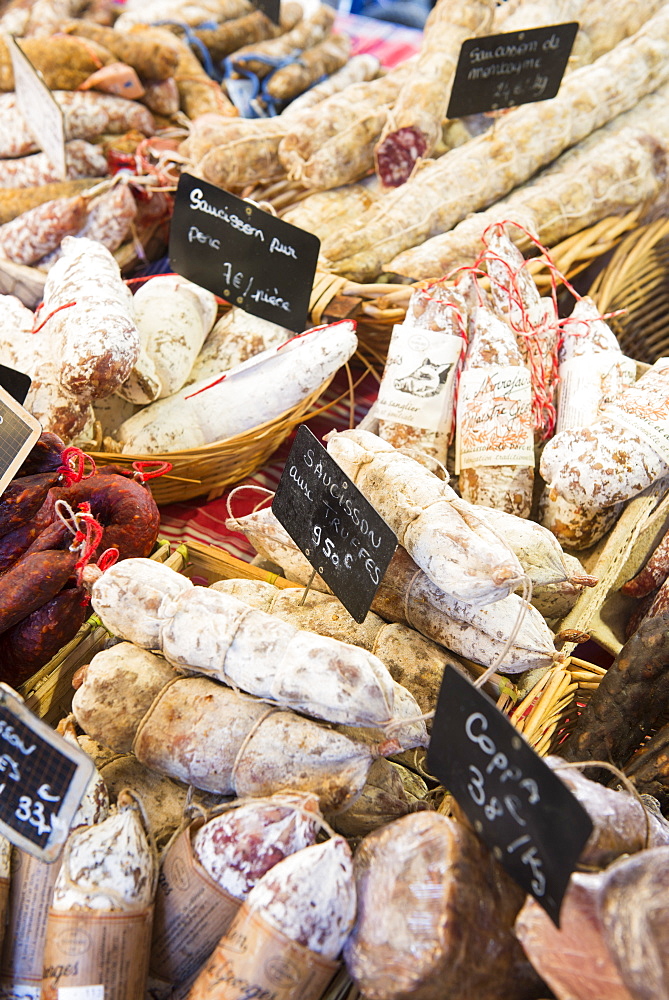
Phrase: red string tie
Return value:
(67, 305)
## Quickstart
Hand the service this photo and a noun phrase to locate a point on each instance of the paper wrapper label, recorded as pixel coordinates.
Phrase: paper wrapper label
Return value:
(29, 901)
(81, 993)
(256, 960)
(588, 383)
(4, 905)
(417, 384)
(192, 912)
(495, 418)
(643, 409)
(86, 949)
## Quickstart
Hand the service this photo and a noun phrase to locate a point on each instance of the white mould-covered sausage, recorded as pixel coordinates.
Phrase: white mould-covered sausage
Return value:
(445, 535)
(95, 336)
(215, 634)
(257, 391)
(621, 453)
(109, 866)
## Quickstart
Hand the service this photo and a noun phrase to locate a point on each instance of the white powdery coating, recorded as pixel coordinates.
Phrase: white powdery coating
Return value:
(538, 551)
(235, 338)
(89, 113)
(17, 345)
(118, 687)
(243, 399)
(108, 867)
(240, 846)
(128, 597)
(589, 337)
(413, 731)
(444, 535)
(97, 338)
(214, 633)
(94, 805)
(172, 316)
(310, 897)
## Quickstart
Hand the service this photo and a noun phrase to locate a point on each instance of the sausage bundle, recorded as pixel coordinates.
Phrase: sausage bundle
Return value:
(224, 858)
(408, 596)
(212, 633)
(450, 543)
(238, 745)
(619, 454)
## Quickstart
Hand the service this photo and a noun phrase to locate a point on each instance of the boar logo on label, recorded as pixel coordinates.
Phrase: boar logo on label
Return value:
(281, 973)
(74, 941)
(179, 874)
(426, 380)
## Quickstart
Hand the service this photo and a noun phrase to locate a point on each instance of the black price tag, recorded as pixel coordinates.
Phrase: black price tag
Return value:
(15, 383)
(39, 108)
(519, 807)
(18, 432)
(247, 256)
(333, 524)
(518, 67)
(270, 8)
(42, 780)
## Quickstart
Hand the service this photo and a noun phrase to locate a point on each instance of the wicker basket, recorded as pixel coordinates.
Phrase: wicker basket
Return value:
(209, 470)
(378, 307)
(636, 280)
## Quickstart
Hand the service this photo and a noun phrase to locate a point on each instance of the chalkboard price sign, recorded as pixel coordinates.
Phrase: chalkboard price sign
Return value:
(248, 257)
(270, 8)
(18, 432)
(42, 780)
(39, 108)
(518, 67)
(530, 820)
(333, 524)
(16, 383)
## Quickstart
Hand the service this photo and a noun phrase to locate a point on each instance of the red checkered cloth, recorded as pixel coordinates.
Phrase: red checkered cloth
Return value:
(199, 521)
(390, 43)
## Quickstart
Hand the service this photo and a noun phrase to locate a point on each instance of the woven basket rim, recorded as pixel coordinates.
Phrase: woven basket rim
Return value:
(630, 260)
(292, 416)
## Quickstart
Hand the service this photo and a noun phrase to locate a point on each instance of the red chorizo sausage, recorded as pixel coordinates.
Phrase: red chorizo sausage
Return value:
(125, 509)
(28, 645)
(15, 543)
(23, 498)
(31, 582)
(45, 455)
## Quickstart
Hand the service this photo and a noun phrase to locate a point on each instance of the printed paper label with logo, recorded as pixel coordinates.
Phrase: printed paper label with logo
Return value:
(494, 425)
(81, 993)
(417, 385)
(643, 409)
(589, 382)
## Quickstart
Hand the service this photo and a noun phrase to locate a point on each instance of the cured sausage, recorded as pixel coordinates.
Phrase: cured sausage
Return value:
(32, 582)
(23, 498)
(631, 697)
(35, 233)
(125, 508)
(82, 160)
(28, 645)
(45, 455)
